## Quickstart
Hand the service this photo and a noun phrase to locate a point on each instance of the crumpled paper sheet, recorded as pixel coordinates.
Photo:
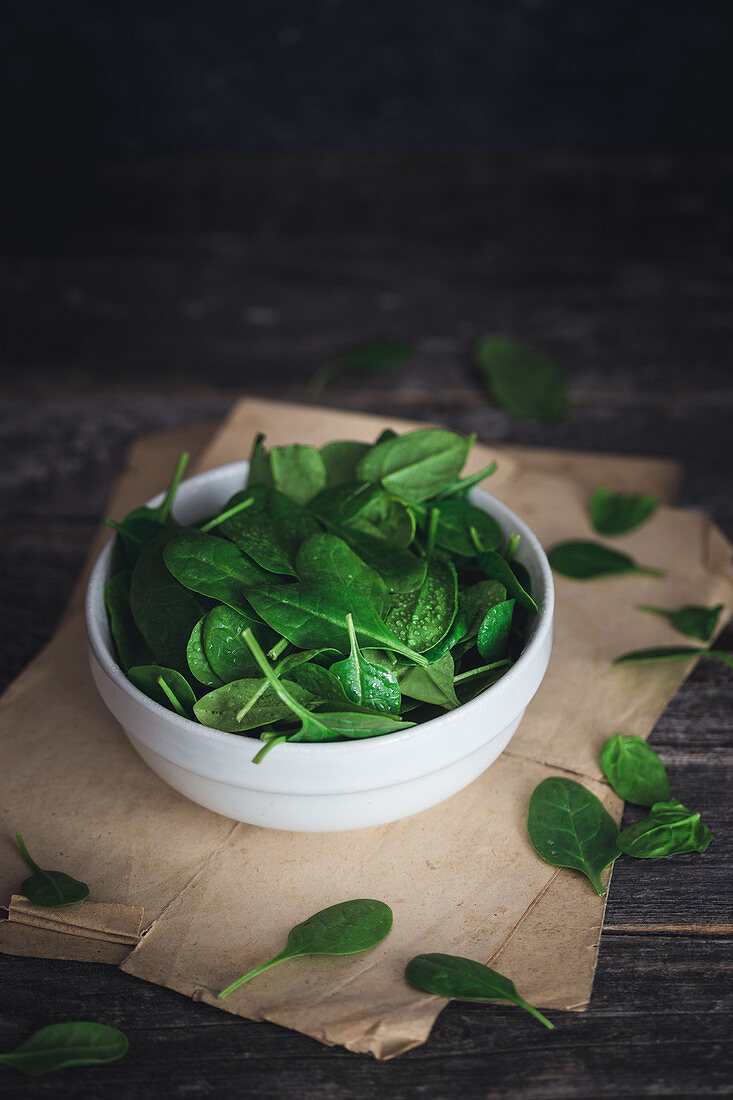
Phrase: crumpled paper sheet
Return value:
(461, 878)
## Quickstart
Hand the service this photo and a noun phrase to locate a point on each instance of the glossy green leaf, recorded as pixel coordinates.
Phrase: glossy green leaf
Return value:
(384, 517)
(129, 644)
(213, 566)
(493, 634)
(51, 889)
(476, 600)
(465, 980)
(462, 485)
(341, 459)
(344, 929)
(73, 1043)
(247, 704)
(618, 513)
(298, 470)
(692, 620)
(271, 530)
(529, 384)
(142, 525)
(634, 770)
(165, 686)
(224, 645)
(417, 465)
(378, 355)
(457, 519)
(570, 827)
(364, 683)
(433, 684)
(585, 560)
(260, 472)
(669, 830)
(671, 653)
(421, 618)
(327, 559)
(497, 568)
(198, 662)
(401, 569)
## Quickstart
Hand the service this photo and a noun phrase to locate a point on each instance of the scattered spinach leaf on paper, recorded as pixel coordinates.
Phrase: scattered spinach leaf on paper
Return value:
(51, 889)
(465, 980)
(570, 827)
(692, 620)
(343, 929)
(669, 830)
(527, 383)
(634, 770)
(584, 560)
(617, 513)
(58, 1046)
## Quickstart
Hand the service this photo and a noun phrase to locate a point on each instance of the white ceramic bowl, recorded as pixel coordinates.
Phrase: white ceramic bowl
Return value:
(322, 787)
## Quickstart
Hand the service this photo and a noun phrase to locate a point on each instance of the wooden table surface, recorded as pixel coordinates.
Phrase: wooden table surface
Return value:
(137, 330)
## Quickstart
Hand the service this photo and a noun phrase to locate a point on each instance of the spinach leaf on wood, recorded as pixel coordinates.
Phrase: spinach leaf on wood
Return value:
(694, 621)
(343, 929)
(51, 889)
(423, 617)
(314, 615)
(669, 830)
(527, 383)
(634, 770)
(165, 611)
(72, 1043)
(417, 465)
(165, 686)
(618, 513)
(570, 827)
(465, 980)
(364, 683)
(583, 560)
(325, 558)
(128, 641)
(213, 567)
(671, 653)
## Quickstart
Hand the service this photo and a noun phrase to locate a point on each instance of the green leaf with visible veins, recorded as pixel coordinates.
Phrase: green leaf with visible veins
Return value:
(298, 470)
(214, 567)
(634, 770)
(669, 830)
(584, 560)
(326, 558)
(433, 684)
(367, 684)
(165, 686)
(421, 618)
(417, 465)
(570, 827)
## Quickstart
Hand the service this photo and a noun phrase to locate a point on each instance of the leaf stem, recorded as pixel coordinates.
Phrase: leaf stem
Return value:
(26, 854)
(270, 676)
(233, 511)
(534, 1012)
(172, 697)
(269, 744)
(167, 504)
(280, 957)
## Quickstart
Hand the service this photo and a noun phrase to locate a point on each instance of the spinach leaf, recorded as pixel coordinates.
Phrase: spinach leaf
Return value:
(469, 684)
(378, 355)
(460, 487)
(260, 472)
(341, 459)
(421, 618)
(326, 558)
(68, 1044)
(298, 470)
(465, 980)
(142, 525)
(51, 889)
(247, 704)
(584, 560)
(497, 569)
(272, 530)
(493, 634)
(385, 517)
(671, 653)
(224, 645)
(669, 830)
(401, 570)
(343, 929)
(696, 622)
(366, 684)
(569, 827)
(165, 612)
(128, 642)
(433, 684)
(314, 615)
(457, 519)
(527, 383)
(165, 686)
(213, 567)
(416, 465)
(321, 682)
(634, 770)
(476, 600)
(617, 513)
(198, 662)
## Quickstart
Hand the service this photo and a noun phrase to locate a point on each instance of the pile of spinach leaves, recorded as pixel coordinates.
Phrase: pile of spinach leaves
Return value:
(344, 592)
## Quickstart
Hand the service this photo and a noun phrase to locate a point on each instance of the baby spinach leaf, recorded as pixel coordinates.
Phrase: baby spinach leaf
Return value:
(165, 612)
(465, 980)
(224, 646)
(584, 560)
(128, 641)
(476, 600)
(422, 617)
(433, 684)
(469, 684)
(634, 770)
(461, 486)
(51, 889)
(617, 513)
(298, 470)
(401, 570)
(384, 517)
(696, 622)
(341, 459)
(260, 472)
(416, 465)
(68, 1044)
(456, 520)
(494, 631)
(497, 569)
(569, 827)
(272, 530)
(314, 615)
(527, 383)
(165, 686)
(198, 662)
(669, 830)
(325, 558)
(366, 684)
(213, 567)
(247, 704)
(343, 929)
(321, 682)
(379, 355)
(671, 653)
(142, 525)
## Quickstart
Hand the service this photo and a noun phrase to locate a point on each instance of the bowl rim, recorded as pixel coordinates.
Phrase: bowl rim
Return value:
(94, 607)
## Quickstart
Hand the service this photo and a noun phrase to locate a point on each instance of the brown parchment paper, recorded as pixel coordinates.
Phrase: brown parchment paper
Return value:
(462, 878)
